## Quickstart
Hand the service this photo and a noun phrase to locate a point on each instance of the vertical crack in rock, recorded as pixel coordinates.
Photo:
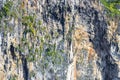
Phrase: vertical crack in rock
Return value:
(62, 20)
(55, 12)
(25, 68)
(108, 67)
(12, 50)
(24, 65)
(102, 47)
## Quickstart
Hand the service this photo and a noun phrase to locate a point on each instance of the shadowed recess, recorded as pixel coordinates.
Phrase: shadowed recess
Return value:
(100, 44)
(12, 50)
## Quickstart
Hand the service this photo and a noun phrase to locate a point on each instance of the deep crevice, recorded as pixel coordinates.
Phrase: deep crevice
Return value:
(25, 68)
(12, 50)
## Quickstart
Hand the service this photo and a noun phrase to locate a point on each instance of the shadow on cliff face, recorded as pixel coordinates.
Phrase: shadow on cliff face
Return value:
(25, 68)
(56, 12)
(24, 65)
(109, 69)
(12, 50)
(102, 47)
(23, 59)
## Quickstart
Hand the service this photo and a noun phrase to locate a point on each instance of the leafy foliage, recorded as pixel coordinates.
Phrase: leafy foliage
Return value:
(112, 6)
(29, 21)
(5, 11)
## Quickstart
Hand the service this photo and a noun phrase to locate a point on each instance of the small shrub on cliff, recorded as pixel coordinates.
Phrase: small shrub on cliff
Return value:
(113, 6)
(5, 11)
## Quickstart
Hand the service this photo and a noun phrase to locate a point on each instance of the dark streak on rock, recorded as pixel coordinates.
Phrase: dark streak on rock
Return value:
(25, 68)
(100, 42)
(12, 51)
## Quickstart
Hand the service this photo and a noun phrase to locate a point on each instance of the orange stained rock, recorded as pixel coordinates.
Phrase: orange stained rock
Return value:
(22, 5)
(31, 66)
(96, 5)
(75, 70)
(80, 38)
(14, 41)
(80, 34)
(2, 75)
(117, 62)
(66, 28)
(91, 53)
(26, 1)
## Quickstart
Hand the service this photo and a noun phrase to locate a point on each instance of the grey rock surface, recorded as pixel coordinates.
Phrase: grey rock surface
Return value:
(59, 40)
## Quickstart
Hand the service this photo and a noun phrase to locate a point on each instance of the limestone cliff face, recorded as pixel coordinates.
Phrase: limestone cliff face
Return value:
(58, 40)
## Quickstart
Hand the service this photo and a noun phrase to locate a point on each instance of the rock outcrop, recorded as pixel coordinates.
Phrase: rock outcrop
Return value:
(58, 40)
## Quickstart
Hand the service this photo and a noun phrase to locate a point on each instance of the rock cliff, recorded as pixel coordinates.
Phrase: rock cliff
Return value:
(58, 40)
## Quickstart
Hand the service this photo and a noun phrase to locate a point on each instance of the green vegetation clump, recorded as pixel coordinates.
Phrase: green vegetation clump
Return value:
(5, 11)
(112, 6)
(29, 21)
(14, 77)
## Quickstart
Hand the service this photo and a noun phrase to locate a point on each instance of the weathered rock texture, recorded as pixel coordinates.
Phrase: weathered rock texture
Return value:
(59, 40)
